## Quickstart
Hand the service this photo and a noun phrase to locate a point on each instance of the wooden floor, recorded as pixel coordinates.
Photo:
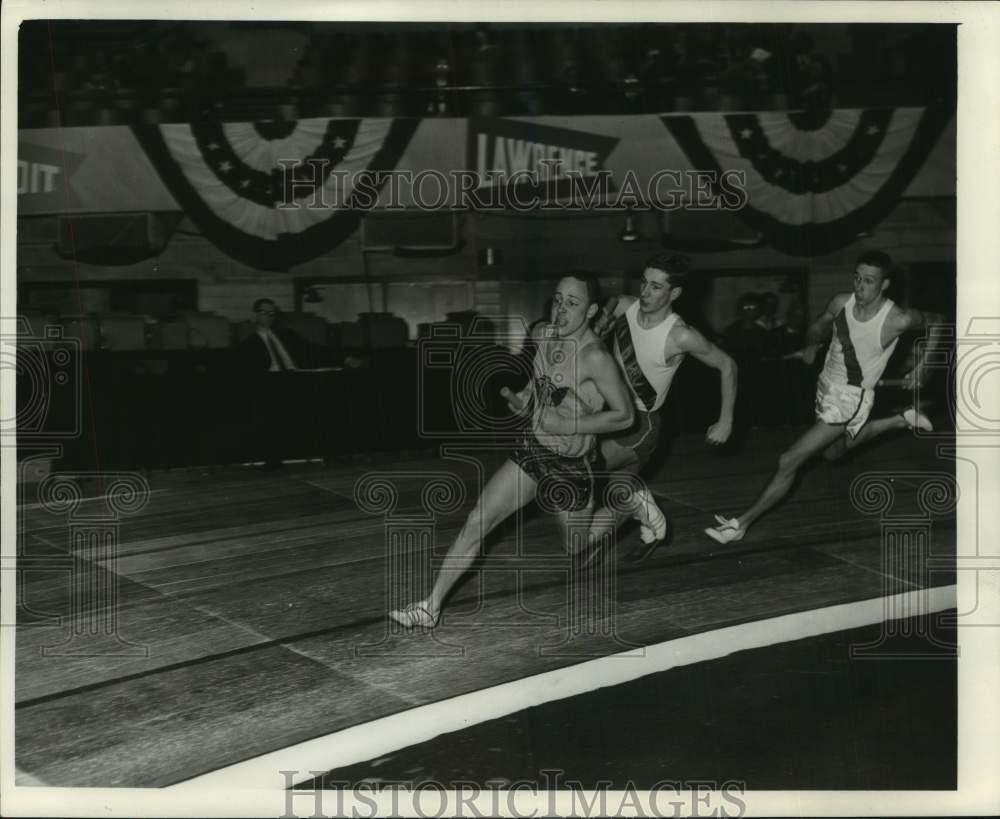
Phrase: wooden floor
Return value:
(258, 600)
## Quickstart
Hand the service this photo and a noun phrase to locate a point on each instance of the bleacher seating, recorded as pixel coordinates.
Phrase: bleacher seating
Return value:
(207, 331)
(122, 332)
(168, 335)
(197, 330)
(382, 331)
(85, 330)
(173, 71)
(307, 326)
(348, 335)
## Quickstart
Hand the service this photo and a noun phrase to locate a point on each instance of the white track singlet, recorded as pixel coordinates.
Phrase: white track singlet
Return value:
(856, 356)
(640, 354)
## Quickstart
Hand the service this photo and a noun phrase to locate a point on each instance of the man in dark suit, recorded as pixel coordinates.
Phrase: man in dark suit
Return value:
(273, 348)
(264, 358)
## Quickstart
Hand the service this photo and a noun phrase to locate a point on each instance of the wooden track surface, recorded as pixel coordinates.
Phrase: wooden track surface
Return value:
(261, 600)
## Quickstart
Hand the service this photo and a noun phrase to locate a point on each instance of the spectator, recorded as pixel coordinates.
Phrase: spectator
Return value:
(746, 81)
(791, 333)
(768, 318)
(777, 396)
(799, 379)
(745, 339)
(275, 348)
(769, 322)
(810, 76)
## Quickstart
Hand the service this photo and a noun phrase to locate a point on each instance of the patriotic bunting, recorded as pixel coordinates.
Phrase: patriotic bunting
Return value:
(274, 194)
(813, 183)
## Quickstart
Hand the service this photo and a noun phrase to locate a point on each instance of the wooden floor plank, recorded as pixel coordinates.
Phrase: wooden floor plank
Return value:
(904, 564)
(306, 501)
(282, 595)
(284, 538)
(166, 631)
(205, 495)
(46, 593)
(771, 597)
(159, 729)
(263, 601)
(463, 655)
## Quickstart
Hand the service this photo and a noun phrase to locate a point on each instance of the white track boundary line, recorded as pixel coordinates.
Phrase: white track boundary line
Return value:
(422, 723)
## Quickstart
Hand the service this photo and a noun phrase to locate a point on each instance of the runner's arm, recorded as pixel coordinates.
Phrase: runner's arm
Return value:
(908, 320)
(691, 341)
(519, 403)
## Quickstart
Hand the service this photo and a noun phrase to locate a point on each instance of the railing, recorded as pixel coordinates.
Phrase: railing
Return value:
(163, 409)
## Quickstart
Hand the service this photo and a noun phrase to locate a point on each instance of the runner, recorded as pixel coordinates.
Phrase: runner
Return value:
(866, 326)
(650, 342)
(576, 393)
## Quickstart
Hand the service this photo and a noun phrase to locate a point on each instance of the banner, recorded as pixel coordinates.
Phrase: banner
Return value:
(270, 195)
(276, 194)
(86, 170)
(534, 161)
(813, 184)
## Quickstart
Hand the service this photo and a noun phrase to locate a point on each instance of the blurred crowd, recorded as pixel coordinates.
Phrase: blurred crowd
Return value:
(175, 70)
(774, 387)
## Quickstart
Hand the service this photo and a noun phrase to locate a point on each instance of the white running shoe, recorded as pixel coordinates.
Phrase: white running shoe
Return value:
(650, 516)
(915, 419)
(727, 531)
(416, 615)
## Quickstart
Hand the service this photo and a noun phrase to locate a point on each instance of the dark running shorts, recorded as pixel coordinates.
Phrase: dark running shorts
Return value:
(564, 484)
(642, 437)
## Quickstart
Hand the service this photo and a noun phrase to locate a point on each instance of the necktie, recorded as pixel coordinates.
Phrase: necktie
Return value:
(274, 352)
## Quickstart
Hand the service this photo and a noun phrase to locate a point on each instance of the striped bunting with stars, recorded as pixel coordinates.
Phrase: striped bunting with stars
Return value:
(814, 180)
(275, 194)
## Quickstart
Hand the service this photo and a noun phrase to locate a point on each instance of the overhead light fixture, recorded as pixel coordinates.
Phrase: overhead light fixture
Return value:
(629, 232)
(490, 257)
(428, 252)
